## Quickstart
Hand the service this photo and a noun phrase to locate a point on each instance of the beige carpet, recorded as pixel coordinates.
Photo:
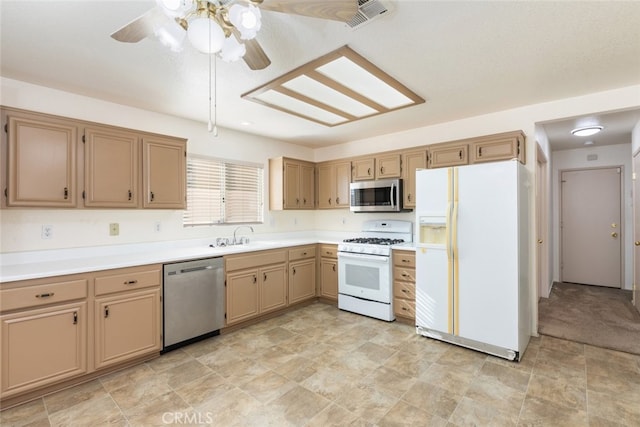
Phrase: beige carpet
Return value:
(594, 315)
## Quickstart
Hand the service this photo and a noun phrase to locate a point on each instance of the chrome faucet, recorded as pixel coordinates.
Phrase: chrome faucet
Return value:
(235, 242)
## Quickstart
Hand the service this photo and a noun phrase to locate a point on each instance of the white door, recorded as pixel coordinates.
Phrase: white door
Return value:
(590, 227)
(636, 229)
(542, 229)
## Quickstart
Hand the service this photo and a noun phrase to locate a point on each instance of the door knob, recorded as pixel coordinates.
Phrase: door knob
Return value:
(614, 234)
(637, 242)
(540, 241)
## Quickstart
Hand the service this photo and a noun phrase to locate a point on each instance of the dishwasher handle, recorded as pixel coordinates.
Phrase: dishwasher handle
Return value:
(190, 270)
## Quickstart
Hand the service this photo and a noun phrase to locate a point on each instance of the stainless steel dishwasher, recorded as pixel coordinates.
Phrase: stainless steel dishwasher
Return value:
(193, 301)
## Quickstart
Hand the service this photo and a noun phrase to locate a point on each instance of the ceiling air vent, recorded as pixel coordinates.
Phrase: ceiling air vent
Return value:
(368, 10)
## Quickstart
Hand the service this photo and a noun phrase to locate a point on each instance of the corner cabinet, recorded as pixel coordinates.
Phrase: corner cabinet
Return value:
(110, 168)
(42, 156)
(164, 167)
(302, 273)
(333, 184)
(291, 184)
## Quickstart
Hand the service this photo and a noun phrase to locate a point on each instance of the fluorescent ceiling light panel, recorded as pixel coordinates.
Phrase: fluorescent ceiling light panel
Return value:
(337, 88)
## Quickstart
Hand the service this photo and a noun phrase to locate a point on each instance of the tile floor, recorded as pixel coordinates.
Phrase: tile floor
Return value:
(318, 366)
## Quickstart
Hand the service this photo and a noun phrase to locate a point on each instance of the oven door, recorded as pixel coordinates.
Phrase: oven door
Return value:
(365, 276)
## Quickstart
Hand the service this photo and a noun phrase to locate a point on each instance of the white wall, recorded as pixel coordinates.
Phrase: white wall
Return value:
(21, 228)
(608, 156)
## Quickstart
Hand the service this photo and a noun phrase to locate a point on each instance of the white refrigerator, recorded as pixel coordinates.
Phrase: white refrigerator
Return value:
(472, 261)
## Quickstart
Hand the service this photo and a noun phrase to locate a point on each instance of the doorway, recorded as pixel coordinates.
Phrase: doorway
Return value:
(590, 227)
(542, 224)
(636, 230)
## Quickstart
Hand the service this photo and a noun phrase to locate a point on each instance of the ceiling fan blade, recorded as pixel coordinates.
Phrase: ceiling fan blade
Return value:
(254, 57)
(338, 10)
(141, 27)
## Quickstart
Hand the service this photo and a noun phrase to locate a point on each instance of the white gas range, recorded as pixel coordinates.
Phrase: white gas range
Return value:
(365, 279)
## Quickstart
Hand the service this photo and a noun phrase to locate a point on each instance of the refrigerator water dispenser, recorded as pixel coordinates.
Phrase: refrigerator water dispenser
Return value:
(433, 231)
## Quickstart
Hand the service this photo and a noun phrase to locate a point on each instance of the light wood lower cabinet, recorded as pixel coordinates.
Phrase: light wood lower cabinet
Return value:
(329, 272)
(404, 285)
(127, 326)
(256, 283)
(43, 346)
(302, 273)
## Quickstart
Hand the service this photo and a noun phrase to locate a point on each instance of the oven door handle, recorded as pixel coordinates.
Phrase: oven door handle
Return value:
(349, 255)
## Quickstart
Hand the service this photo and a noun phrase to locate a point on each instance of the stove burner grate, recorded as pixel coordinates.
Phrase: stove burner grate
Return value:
(374, 241)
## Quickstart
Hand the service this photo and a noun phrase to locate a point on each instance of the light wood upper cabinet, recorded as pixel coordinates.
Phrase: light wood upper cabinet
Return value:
(291, 184)
(164, 166)
(333, 184)
(388, 166)
(505, 146)
(412, 161)
(42, 154)
(363, 169)
(447, 154)
(111, 168)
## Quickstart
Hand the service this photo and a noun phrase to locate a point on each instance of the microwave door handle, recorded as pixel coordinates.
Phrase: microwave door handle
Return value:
(392, 194)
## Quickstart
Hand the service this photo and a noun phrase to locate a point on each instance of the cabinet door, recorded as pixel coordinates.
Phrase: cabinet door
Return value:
(42, 163)
(291, 185)
(273, 288)
(342, 181)
(448, 155)
(43, 346)
(388, 166)
(412, 161)
(307, 186)
(364, 169)
(326, 186)
(111, 168)
(164, 173)
(329, 278)
(302, 283)
(127, 326)
(242, 296)
(499, 148)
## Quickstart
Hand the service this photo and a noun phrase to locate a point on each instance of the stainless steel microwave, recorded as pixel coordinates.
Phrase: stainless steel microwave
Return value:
(381, 195)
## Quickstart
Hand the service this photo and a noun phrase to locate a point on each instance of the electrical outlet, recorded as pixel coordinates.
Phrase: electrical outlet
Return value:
(46, 232)
(158, 226)
(114, 229)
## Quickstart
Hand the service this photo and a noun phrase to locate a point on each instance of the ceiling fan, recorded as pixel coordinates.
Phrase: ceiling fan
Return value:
(214, 26)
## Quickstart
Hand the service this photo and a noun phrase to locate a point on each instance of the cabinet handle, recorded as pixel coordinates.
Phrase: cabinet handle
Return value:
(337, 200)
(153, 196)
(106, 311)
(297, 201)
(66, 193)
(405, 260)
(329, 200)
(460, 154)
(405, 275)
(304, 201)
(130, 194)
(369, 171)
(480, 152)
(409, 197)
(294, 270)
(328, 252)
(304, 253)
(47, 295)
(130, 282)
(333, 267)
(381, 170)
(405, 308)
(405, 291)
(75, 317)
(255, 279)
(264, 277)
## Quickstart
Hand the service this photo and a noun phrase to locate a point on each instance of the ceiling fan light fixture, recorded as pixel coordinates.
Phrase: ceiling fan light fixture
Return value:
(176, 8)
(205, 35)
(586, 131)
(247, 19)
(232, 50)
(171, 35)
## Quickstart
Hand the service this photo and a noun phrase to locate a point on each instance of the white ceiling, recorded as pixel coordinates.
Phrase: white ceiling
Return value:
(464, 58)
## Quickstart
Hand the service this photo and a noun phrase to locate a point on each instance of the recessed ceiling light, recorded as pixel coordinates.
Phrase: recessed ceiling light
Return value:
(589, 142)
(586, 131)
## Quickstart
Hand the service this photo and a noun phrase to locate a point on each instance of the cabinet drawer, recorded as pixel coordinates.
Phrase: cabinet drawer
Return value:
(329, 251)
(34, 296)
(407, 274)
(404, 290)
(404, 308)
(127, 281)
(404, 259)
(256, 259)
(302, 252)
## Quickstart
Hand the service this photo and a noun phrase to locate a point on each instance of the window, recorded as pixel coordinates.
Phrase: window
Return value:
(220, 192)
